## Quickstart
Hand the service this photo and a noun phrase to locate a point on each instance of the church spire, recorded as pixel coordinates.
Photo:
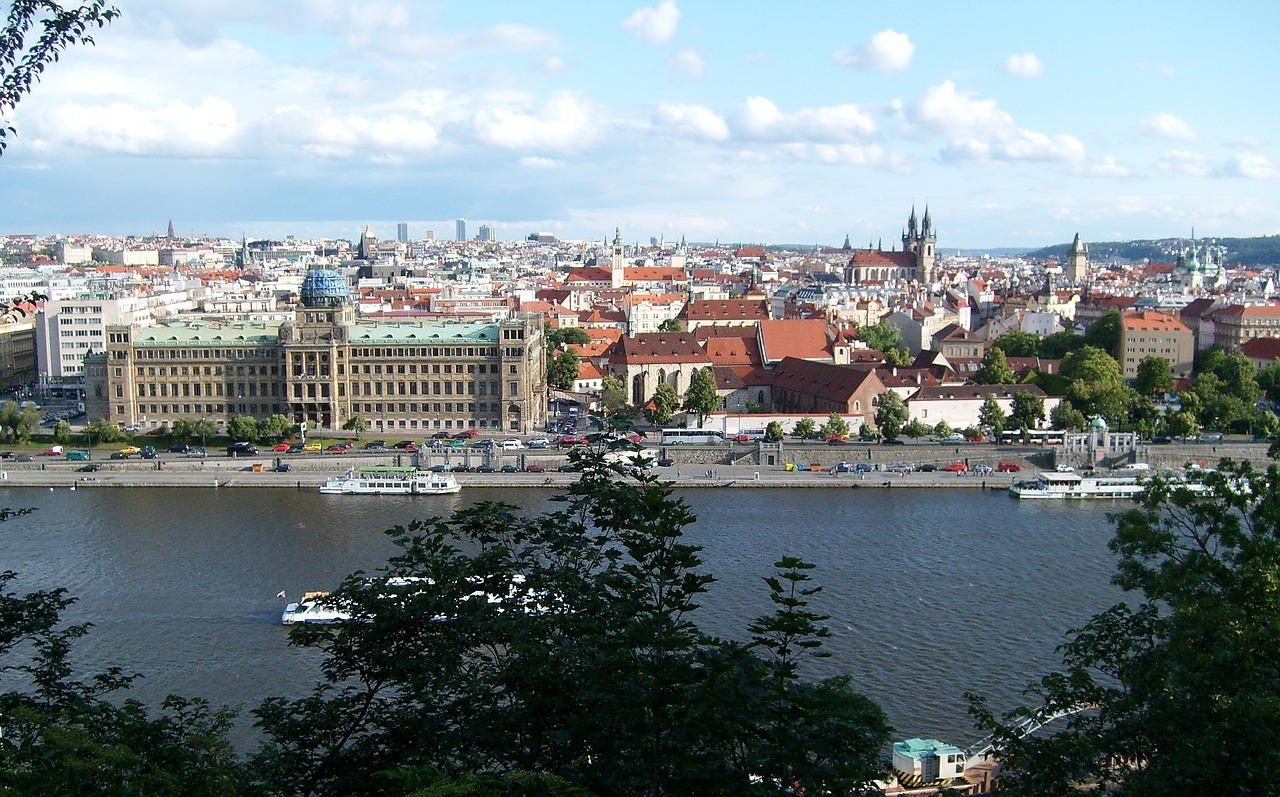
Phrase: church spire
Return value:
(170, 234)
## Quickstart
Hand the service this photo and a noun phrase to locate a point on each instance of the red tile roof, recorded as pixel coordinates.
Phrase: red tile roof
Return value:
(836, 383)
(805, 338)
(1261, 348)
(658, 347)
(869, 257)
(726, 310)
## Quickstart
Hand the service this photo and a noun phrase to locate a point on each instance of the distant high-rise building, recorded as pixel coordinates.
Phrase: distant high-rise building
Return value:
(402, 233)
(461, 225)
(486, 232)
(430, 236)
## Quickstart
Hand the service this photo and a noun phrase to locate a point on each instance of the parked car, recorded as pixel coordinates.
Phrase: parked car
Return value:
(242, 448)
(540, 442)
(983, 470)
(195, 452)
(466, 434)
(863, 467)
(957, 467)
(837, 440)
(312, 447)
(486, 469)
(511, 444)
(179, 448)
(928, 467)
(283, 467)
(1064, 469)
(148, 452)
(899, 468)
(375, 445)
(510, 469)
(665, 463)
(92, 467)
(441, 468)
(1008, 467)
(440, 436)
(24, 458)
(535, 469)
(281, 448)
(129, 451)
(133, 427)
(892, 441)
(338, 448)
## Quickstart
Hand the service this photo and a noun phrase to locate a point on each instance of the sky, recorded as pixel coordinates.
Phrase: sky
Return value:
(1016, 123)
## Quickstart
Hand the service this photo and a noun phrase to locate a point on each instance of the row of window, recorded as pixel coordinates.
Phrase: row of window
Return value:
(402, 423)
(165, 389)
(209, 370)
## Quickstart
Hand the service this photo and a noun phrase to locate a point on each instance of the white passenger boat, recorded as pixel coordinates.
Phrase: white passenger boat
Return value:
(313, 608)
(390, 481)
(1076, 485)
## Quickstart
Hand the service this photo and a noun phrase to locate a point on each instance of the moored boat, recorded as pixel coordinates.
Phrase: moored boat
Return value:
(1053, 485)
(390, 481)
(313, 608)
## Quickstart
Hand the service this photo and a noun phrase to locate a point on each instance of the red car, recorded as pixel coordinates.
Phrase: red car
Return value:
(957, 467)
(535, 469)
(337, 448)
(281, 448)
(1008, 467)
(466, 434)
(569, 441)
(837, 440)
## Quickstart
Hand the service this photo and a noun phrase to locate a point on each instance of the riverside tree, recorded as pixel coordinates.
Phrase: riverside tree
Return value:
(567, 644)
(701, 398)
(891, 414)
(1173, 691)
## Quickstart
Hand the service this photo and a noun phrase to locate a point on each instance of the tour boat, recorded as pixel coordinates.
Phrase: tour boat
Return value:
(1076, 485)
(312, 609)
(390, 481)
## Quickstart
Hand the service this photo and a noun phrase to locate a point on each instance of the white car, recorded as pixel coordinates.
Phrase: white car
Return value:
(133, 427)
(511, 444)
(1065, 469)
(540, 442)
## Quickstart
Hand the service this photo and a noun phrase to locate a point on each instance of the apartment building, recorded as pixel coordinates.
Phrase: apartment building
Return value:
(1153, 334)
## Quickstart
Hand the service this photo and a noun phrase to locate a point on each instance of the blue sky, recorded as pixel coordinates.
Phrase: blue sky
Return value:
(1018, 123)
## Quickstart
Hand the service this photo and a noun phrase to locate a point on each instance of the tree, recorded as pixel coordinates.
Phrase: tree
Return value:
(62, 432)
(204, 428)
(665, 402)
(278, 427)
(242, 428)
(773, 432)
(804, 429)
(883, 336)
(22, 63)
(1095, 383)
(1153, 376)
(916, 428)
(992, 417)
(1066, 417)
(1028, 409)
(610, 684)
(613, 394)
(356, 423)
(105, 431)
(995, 369)
(1018, 344)
(836, 426)
(1060, 344)
(701, 398)
(1200, 614)
(1104, 333)
(900, 357)
(891, 414)
(1181, 424)
(564, 336)
(942, 429)
(1268, 380)
(564, 370)
(669, 325)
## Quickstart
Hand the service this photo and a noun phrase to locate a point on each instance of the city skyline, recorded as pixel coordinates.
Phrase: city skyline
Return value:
(1017, 125)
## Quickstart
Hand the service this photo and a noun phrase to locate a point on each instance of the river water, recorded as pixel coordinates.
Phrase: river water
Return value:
(931, 593)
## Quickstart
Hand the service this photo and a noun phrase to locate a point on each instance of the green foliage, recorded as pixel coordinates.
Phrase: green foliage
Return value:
(104, 431)
(242, 428)
(609, 684)
(805, 429)
(943, 429)
(62, 432)
(18, 422)
(669, 325)
(1018, 344)
(564, 336)
(1066, 417)
(1153, 376)
(1268, 381)
(915, 429)
(836, 426)
(995, 369)
(891, 414)
(1060, 344)
(564, 370)
(1193, 639)
(22, 62)
(1104, 333)
(773, 432)
(1181, 424)
(1028, 409)
(278, 427)
(1095, 383)
(991, 416)
(900, 357)
(883, 337)
(701, 398)
(665, 402)
(613, 394)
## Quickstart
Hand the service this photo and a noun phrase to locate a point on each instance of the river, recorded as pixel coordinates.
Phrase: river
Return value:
(931, 593)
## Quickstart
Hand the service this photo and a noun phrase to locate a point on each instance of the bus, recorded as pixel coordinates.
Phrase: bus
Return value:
(677, 437)
(1035, 437)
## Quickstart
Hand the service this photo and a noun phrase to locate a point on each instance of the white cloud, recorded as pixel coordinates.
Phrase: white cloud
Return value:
(554, 65)
(1107, 167)
(979, 130)
(177, 129)
(847, 154)
(1251, 165)
(654, 24)
(1022, 65)
(689, 63)
(389, 137)
(533, 162)
(1184, 162)
(760, 118)
(1166, 125)
(887, 51)
(563, 122)
(693, 120)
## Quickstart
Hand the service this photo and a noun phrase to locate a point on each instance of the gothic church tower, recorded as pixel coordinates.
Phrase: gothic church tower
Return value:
(921, 240)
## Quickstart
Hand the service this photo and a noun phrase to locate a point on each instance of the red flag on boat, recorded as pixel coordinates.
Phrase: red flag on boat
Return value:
(281, 595)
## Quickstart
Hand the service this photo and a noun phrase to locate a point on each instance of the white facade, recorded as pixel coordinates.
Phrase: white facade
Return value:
(69, 328)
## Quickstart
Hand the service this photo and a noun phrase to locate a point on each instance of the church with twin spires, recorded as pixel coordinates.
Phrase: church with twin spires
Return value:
(916, 262)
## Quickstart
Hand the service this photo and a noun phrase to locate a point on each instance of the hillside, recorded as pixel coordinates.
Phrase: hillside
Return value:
(1250, 252)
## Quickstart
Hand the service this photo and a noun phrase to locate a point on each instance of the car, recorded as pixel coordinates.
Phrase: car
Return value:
(281, 448)
(463, 468)
(412, 447)
(837, 440)
(483, 442)
(53, 451)
(466, 434)
(440, 436)
(403, 445)
(863, 467)
(195, 452)
(535, 469)
(540, 442)
(665, 463)
(928, 467)
(1064, 469)
(976, 439)
(375, 445)
(24, 458)
(486, 469)
(242, 448)
(133, 427)
(283, 467)
(441, 468)
(1211, 437)
(983, 470)
(510, 469)
(957, 467)
(148, 452)
(92, 467)
(311, 447)
(179, 448)
(119, 455)
(338, 448)
(899, 469)
(892, 441)
(954, 437)
(569, 441)
(569, 468)
(7, 455)
(511, 444)
(295, 448)
(130, 450)
(1008, 467)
